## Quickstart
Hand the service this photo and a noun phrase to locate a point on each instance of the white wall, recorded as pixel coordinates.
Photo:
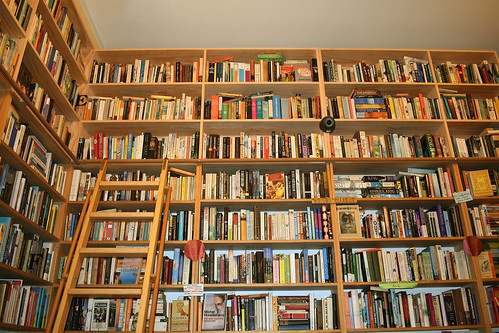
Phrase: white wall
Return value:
(432, 24)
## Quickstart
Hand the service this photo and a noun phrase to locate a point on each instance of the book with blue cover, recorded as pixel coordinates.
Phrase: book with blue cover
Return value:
(130, 270)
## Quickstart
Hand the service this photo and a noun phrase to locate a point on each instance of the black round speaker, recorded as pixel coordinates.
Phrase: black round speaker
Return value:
(327, 124)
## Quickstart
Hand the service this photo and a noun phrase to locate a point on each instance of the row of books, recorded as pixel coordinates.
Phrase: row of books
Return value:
(89, 314)
(388, 145)
(408, 69)
(246, 224)
(26, 252)
(370, 104)
(463, 106)
(22, 11)
(146, 71)
(183, 188)
(62, 20)
(23, 305)
(29, 200)
(267, 68)
(296, 312)
(139, 108)
(176, 268)
(247, 267)
(262, 105)
(180, 225)
(492, 294)
(428, 264)
(111, 270)
(486, 144)
(120, 231)
(266, 312)
(53, 60)
(83, 180)
(481, 183)
(70, 224)
(276, 145)
(44, 104)
(139, 146)
(396, 107)
(17, 136)
(8, 52)
(484, 219)
(379, 308)
(437, 221)
(485, 72)
(92, 314)
(254, 184)
(413, 183)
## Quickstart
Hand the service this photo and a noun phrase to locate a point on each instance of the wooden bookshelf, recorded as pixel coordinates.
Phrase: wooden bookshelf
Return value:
(83, 65)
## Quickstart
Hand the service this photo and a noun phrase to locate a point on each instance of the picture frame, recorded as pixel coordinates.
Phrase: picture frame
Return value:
(349, 221)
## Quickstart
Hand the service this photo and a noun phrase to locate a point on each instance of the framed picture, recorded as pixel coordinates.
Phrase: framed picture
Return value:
(349, 221)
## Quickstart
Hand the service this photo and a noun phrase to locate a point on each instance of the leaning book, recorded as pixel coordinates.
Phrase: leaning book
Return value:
(214, 311)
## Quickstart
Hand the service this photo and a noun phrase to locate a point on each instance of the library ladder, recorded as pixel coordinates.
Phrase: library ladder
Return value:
(82, 250)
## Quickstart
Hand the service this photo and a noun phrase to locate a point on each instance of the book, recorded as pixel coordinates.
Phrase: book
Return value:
(301, 69)
(103, 314)
(179, 320)
(275, 185)
(349, 220)
(486, 263)
(480, 185)
(5, 223)
(130, 270)
(214, 312)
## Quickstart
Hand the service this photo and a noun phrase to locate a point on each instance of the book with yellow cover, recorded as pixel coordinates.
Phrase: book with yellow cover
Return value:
(480, 184)
(486, 265)
(180, 316)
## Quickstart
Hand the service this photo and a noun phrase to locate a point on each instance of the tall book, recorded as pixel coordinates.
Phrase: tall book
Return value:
(214, 312)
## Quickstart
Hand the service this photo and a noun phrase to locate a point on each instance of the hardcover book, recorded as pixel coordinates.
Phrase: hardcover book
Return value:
(180, 316)
(349, 220)
(486, 265)
(275, 185)
(130, 270)
(5, 223)
(301, 69)
(103, 315)
(214, 310)
(480, 184)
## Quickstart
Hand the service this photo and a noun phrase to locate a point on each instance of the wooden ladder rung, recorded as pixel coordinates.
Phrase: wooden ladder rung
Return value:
(114, 252)
(108, 292)
(129, 185)
(122, 216)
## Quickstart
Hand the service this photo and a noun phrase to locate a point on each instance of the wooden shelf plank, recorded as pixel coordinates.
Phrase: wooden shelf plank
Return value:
(114, 252)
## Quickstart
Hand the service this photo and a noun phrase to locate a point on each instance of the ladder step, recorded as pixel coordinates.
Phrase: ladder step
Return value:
(122, 216)
(129, 185)
(108, 292)
(114, 252)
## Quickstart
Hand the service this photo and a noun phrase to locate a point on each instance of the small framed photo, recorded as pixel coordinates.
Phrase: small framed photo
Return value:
(349, 221)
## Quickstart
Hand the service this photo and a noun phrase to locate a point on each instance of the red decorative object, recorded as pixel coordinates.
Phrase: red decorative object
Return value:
(194, 249)
(472, 245)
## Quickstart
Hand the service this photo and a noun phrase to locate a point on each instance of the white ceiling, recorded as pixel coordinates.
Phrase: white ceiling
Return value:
(429, 24)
